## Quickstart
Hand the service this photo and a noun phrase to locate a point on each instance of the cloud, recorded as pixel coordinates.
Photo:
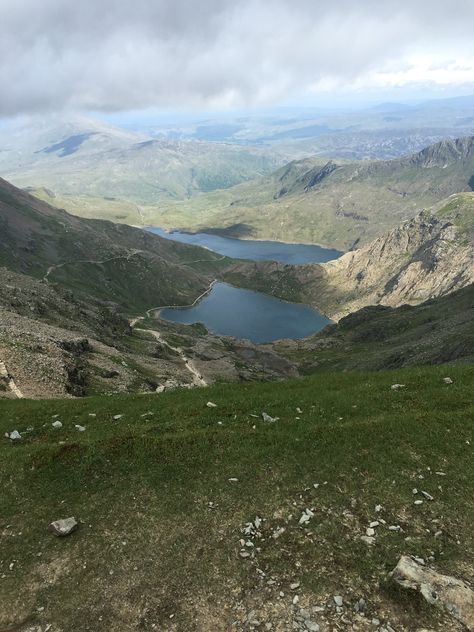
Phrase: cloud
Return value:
(117, 55)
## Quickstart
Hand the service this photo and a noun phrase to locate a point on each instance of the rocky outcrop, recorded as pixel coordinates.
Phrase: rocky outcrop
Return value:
(447, 592)
(423, 258)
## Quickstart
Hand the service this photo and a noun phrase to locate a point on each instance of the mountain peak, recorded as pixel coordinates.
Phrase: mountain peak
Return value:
(445, 152)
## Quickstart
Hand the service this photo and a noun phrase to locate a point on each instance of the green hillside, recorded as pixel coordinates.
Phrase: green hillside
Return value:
(334, 204)
(164, 492)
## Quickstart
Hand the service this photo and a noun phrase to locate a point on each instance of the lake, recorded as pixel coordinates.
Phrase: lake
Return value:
(232, 311)
(251, 249)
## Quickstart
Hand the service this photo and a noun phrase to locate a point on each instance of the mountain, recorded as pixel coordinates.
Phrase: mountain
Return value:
(96, 161)
(430, 255)
(68, 288)
(335, 204)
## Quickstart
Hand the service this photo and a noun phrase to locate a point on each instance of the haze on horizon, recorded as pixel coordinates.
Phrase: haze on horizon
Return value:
(116, 56)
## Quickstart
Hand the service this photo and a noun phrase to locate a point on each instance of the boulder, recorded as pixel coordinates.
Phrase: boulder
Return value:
(450, 593)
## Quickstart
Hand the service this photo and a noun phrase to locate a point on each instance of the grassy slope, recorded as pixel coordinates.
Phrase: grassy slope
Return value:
(35, 236)
(358, 201)
(149, 546)
(375, 338)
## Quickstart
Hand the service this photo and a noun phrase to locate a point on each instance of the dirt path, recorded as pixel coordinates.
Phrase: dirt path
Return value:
(197, 378)
(10, 381)
(51, 269)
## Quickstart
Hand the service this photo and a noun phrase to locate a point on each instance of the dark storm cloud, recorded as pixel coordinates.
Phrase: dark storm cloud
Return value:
(112, 55)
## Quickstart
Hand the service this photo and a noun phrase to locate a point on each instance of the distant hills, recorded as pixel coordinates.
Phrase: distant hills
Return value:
(82, 157)
(336, 204)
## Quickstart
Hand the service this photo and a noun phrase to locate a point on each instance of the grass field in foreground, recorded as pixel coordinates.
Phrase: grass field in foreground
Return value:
(160, 523)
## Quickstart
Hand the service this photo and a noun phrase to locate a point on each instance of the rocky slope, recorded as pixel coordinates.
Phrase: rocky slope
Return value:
(430, 255)
(68, 287)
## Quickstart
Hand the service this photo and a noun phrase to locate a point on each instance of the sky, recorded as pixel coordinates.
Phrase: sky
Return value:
(114, 56)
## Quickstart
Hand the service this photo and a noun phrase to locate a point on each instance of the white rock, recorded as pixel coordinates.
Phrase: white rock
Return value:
(233, 480)
(426, 495)
(447, 380)
(14, 436)
(375, 523)
(117, 417)
(295, 585)
(378, 508)
(396, 387)
(338, 600)
(63, 527)
(298, 410)
(451, 593)
(211, 405)
(418, 502)
(80, 428)
(368, 540)
(57, 424)
(268, 418)
(370, 532)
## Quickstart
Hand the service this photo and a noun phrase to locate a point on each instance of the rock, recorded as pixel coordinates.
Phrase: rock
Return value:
(370, 532)
(452, 594)
(361, 605)
(311, 626)
(268, 418)
(374, 523)
(369, 540)
(295, 585)
(211, 405)
(305, 516)
(57, 424)
(117, 417)
(426, 495)
(418, 502)
(447, 380)
(80, 428)
(63, 527)
(338, 600)
(378, 508)
(14, 436)
(233, 480)
(396, 387)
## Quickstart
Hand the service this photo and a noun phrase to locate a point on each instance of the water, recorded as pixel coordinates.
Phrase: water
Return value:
(255, 250)
(232, 311)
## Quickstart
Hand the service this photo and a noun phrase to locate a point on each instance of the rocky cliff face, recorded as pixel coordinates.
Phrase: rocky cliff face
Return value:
(428, 256)
(423, 258)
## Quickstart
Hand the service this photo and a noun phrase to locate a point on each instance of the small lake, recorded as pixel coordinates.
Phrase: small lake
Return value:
(254, 250)
(231, 311)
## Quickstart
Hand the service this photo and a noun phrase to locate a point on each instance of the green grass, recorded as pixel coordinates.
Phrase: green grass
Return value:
(149, 546)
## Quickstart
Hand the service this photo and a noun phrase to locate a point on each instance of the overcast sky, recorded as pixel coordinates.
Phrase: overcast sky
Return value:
(119, 55)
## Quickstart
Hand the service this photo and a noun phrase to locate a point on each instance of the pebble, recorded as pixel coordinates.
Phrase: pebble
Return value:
(426, 495)
(375, 523)
(338, 600)
(447, 380)
(57, 424)
(311, 626)
(14, 436)
(370, 532)
(295, 585)
(211, 405)
(369, 540)
(418, 502)
(80, 428)
(378, 508)
(117, 417)
(233, 480)
(396, 387)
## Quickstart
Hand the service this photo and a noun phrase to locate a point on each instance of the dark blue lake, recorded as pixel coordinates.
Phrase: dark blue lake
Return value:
(255, 250)
(232, 311)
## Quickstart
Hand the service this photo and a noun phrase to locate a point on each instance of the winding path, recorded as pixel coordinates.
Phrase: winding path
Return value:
(197, 378)
(51, 269)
